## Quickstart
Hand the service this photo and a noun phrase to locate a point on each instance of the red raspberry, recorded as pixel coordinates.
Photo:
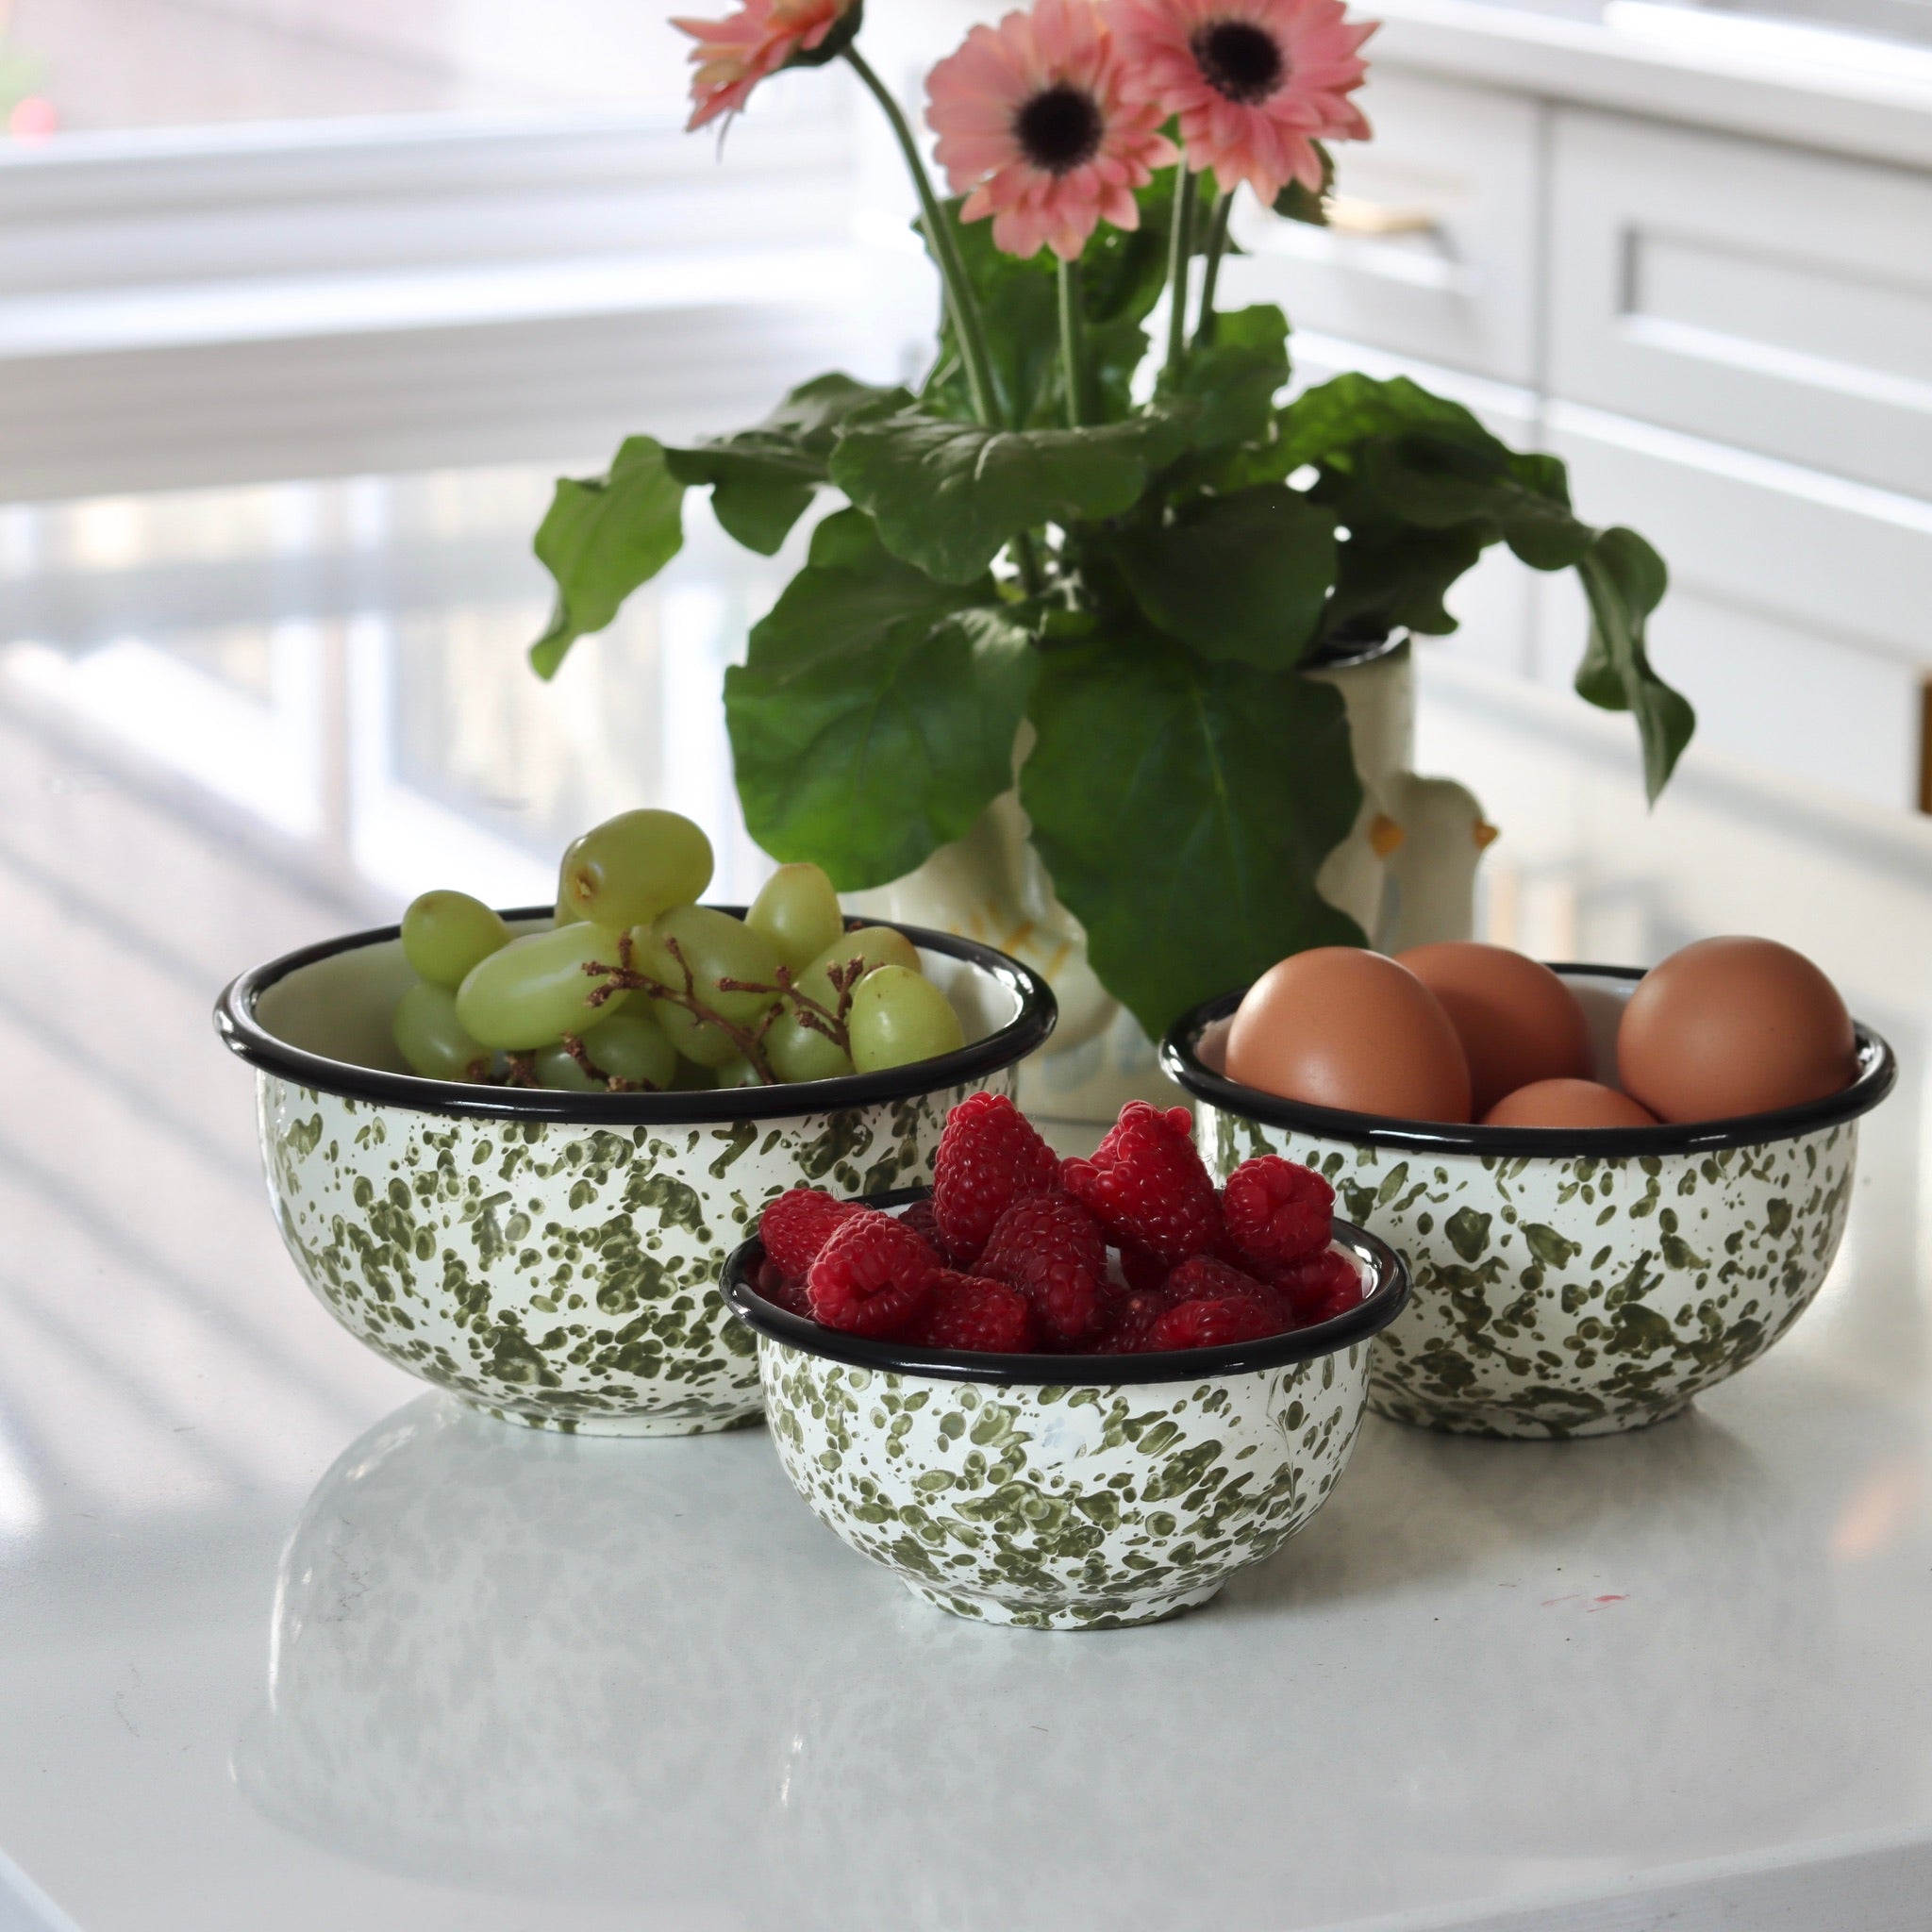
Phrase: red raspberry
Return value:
(1212, 1323)
(1146, 1185)
(1142, 1271)
(989, 1158)
(790, 1296)
(796, 1226)
(1276, 1210)
(873, 1278)
(1050, 1249)
(975, 1311)
(1319, 1285)
(1205, 1279)
(1128, 1319)
(924, 1224)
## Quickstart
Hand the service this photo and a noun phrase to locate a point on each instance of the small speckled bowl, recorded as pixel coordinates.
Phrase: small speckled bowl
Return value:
(1067, 1492)
(1567, 1282)
(553, 1257)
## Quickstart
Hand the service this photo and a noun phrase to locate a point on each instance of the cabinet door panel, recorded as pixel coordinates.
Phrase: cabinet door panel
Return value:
(1796, 618)
(1767, 298)
(1433, 253)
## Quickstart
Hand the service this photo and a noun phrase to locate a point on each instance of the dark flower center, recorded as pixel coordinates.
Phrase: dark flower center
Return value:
(1239, 60)
(1061, 130)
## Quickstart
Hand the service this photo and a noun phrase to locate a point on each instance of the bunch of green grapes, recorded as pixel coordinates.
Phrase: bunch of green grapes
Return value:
(636, 988)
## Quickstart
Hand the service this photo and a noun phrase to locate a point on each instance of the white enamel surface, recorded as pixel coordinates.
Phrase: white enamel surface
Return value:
(287, 1645)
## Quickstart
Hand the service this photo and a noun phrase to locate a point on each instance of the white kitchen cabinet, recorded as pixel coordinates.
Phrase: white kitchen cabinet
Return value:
(1433, 249)
(1768, 298)
(1730, 345)
(1789, 621)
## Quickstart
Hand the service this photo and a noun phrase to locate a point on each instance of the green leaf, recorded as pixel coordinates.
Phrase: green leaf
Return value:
(1242, 576)
(1326, 424)
(1121, 280)
(947, 496)
(1234, 377)
(1438, 480)
(1183, 810)
(601, 539)
(762, 478)
(1393, 576)
(1296, 204)
(760, 512)
(875, 717)
(1625, 580)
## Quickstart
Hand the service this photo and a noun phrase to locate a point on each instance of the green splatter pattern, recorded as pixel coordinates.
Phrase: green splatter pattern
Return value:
(1575, 1297)
(1084, 1507)
(555, 1275)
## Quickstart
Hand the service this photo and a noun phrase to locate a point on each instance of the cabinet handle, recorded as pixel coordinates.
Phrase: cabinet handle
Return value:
(1349, 214)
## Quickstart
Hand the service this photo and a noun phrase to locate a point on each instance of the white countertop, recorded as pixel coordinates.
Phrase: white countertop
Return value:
(287, 1643)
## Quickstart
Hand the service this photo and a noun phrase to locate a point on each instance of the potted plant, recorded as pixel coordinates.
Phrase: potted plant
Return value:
(1100, 657)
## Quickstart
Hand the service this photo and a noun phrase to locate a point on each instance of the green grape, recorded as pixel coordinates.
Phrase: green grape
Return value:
(632, 1046)
(631, 868)
(798, 1052)
(429, 1036)
(713, 947)
(872, 945)
(690, 1077)
(703, 1042)
(738, 1071)
(798, 911)
(899, 1017)
(444, 934)
(553, 1067)
(535, 989)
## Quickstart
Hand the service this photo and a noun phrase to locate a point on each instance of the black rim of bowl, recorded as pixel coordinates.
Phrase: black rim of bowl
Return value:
(1024, 1034)
(1876, 1075)
(1379, 1307)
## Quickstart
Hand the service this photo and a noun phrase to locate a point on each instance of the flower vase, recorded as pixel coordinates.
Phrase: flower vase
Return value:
(1405, 873)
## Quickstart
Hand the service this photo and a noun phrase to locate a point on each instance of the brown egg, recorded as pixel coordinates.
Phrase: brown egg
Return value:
(1336, 1026)
(1518, 1022)
(1568, 1104)
(1733, 1027)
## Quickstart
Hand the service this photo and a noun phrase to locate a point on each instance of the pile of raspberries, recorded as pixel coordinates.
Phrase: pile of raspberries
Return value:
(1018, 1251)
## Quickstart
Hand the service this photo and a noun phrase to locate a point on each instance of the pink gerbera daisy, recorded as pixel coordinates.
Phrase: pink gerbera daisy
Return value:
(1256, 82)
(732, 56)
(1036, 131)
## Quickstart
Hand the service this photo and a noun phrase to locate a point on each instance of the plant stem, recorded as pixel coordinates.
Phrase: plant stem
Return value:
(1073, 346)
(1217, 248)
(1179, 258)
(945, 250)
(967, 325)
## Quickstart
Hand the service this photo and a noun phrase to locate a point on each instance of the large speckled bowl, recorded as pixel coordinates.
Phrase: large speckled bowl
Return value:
(1066, 1492)
(554, 1257)
(1567, 1283)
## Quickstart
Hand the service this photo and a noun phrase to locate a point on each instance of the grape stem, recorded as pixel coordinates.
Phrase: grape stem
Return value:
(810, 1012)
(625, 977)
(573, 1045)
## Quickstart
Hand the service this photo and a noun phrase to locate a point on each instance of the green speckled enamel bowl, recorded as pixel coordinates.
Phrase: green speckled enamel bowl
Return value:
(1067, 1492)
(1567, 1282)
(554, 1257)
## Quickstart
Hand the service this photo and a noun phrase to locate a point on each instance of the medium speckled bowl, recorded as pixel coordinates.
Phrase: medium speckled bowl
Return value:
(1567, 1282)
(1067, 1492)
(553, 1257)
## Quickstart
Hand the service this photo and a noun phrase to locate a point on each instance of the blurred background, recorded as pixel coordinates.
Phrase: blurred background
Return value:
(303, 305)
